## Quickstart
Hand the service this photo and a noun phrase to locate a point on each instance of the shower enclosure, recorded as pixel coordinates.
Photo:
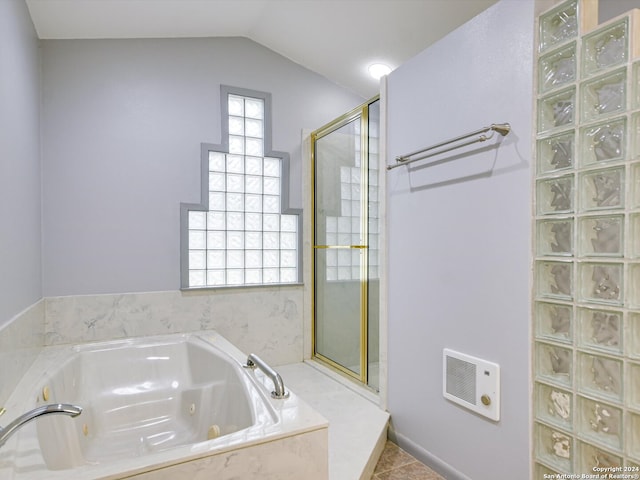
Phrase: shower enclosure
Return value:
(345, 243)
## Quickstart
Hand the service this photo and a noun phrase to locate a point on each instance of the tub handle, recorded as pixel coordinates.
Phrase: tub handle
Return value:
(254, 361)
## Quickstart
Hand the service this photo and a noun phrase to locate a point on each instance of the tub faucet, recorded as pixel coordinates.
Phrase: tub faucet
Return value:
(255, 361)
(63, 408)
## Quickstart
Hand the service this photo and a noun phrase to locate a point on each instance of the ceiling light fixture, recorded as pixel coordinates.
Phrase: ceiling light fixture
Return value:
(378, 70)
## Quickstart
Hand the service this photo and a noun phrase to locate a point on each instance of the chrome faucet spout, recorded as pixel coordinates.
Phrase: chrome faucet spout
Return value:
(255, 361)
(57, 408)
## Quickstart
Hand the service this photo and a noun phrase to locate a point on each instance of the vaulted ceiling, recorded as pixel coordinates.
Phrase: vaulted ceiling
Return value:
(338, 39)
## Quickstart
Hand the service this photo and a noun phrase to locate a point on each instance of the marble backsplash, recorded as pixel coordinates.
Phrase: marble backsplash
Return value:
(265, 320)
(21, 339)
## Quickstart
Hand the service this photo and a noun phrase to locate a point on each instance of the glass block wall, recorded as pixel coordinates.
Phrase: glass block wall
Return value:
(586, 315)
(243, 238)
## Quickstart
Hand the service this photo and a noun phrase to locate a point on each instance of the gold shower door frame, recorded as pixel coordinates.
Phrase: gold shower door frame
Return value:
(360, 114)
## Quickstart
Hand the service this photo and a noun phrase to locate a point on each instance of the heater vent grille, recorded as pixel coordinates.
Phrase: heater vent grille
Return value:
(472, 383)
(461, 379)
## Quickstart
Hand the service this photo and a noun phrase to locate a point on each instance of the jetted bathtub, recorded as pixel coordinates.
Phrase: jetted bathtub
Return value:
(152, 406)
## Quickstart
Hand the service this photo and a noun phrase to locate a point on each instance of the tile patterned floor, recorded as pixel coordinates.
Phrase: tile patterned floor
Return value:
(396, 464)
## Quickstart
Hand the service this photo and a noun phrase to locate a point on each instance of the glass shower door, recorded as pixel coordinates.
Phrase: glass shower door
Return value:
(341, 245)
(338, 229)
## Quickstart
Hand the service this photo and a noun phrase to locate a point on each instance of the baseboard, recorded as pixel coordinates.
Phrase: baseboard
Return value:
(430, 460)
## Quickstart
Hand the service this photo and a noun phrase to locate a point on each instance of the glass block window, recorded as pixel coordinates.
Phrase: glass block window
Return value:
(242, 237)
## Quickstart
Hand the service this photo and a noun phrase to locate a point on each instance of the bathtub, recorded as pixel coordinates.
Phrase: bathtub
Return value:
(172, 407)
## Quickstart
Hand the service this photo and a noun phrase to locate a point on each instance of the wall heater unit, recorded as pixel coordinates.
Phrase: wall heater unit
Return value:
(471, 382)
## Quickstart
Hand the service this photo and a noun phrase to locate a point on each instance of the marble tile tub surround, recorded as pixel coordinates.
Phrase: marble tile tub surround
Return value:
(21, 340)
(357, 426)
(292, 458)
(265, 320)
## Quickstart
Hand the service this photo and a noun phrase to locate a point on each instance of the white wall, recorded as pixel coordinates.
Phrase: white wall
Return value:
(122, 125)
(20, 239)
(459, 242)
